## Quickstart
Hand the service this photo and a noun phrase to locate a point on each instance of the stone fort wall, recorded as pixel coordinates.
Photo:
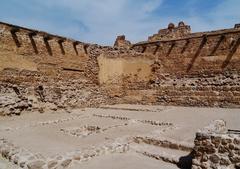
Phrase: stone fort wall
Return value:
(39, 70)
(199, 69)
(177, 68)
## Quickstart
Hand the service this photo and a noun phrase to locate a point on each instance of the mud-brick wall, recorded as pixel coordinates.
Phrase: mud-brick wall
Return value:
(199, 70)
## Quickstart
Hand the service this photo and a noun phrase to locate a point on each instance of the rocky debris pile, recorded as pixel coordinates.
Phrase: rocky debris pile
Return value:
(14, 106)
(27, 160)
(216, 148)
(13, 102)
(16, 99)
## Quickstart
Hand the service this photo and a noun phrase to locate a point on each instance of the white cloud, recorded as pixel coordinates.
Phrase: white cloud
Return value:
(222, 16)
(100, 21)
(226, 13)
(108, 18)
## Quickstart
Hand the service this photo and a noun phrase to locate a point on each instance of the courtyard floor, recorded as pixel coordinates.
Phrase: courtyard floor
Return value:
(111, 137)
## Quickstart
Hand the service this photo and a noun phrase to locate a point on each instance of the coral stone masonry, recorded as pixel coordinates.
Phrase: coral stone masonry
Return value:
(175, 67)
(217, 149)
(71, 104)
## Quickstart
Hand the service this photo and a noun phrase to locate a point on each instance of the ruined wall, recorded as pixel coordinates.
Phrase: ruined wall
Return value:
(216, 151)
(202, 69)
(38, 68)
(216, 147)
(121, 42)
(172, 31)
(125, 74)
(198, 69)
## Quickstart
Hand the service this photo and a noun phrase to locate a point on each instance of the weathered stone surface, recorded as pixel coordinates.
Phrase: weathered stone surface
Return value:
(214, 158)
(43, 72)
(36, 164)
(225, 161)
(187, 69)
(66, 162)
(217, 126)
(215, 147)
(121, 42)
(237, 166)
(181, 30)
(52, 164)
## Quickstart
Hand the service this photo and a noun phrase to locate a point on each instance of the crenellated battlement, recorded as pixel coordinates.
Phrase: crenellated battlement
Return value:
(22, 36)
(222, 44)
(189, 36)
(32, 32)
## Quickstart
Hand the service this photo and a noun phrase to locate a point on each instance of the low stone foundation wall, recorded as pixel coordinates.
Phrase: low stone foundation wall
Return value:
(216, 150)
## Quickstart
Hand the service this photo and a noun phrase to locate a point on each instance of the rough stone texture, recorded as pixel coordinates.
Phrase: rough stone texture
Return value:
(27, 160)
(201, 69)
(216, 149)
(121, 42)
(217, 126)
(40, 71)
(171, 32)
(36, 164)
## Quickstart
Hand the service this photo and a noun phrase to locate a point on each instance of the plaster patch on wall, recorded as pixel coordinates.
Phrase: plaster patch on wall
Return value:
(115, 70)
(8, 60)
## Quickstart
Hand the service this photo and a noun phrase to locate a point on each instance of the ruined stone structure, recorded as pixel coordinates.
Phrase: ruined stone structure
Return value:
(174, 67)
(121, 42)
(180, 31)
(217, 148)
(198, 69)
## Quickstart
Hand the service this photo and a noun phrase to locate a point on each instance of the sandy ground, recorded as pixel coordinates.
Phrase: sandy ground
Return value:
(126, 161)
(52, 133)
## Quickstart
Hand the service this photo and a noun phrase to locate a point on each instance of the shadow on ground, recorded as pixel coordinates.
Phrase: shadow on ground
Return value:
(185, 162)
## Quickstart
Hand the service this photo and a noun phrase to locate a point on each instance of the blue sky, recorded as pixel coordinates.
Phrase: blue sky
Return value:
(100, 21)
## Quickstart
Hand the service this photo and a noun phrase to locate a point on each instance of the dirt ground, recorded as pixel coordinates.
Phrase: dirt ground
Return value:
(110, 131)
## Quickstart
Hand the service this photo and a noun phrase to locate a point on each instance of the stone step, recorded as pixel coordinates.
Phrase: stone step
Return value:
(165, 143)
(180, 158)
